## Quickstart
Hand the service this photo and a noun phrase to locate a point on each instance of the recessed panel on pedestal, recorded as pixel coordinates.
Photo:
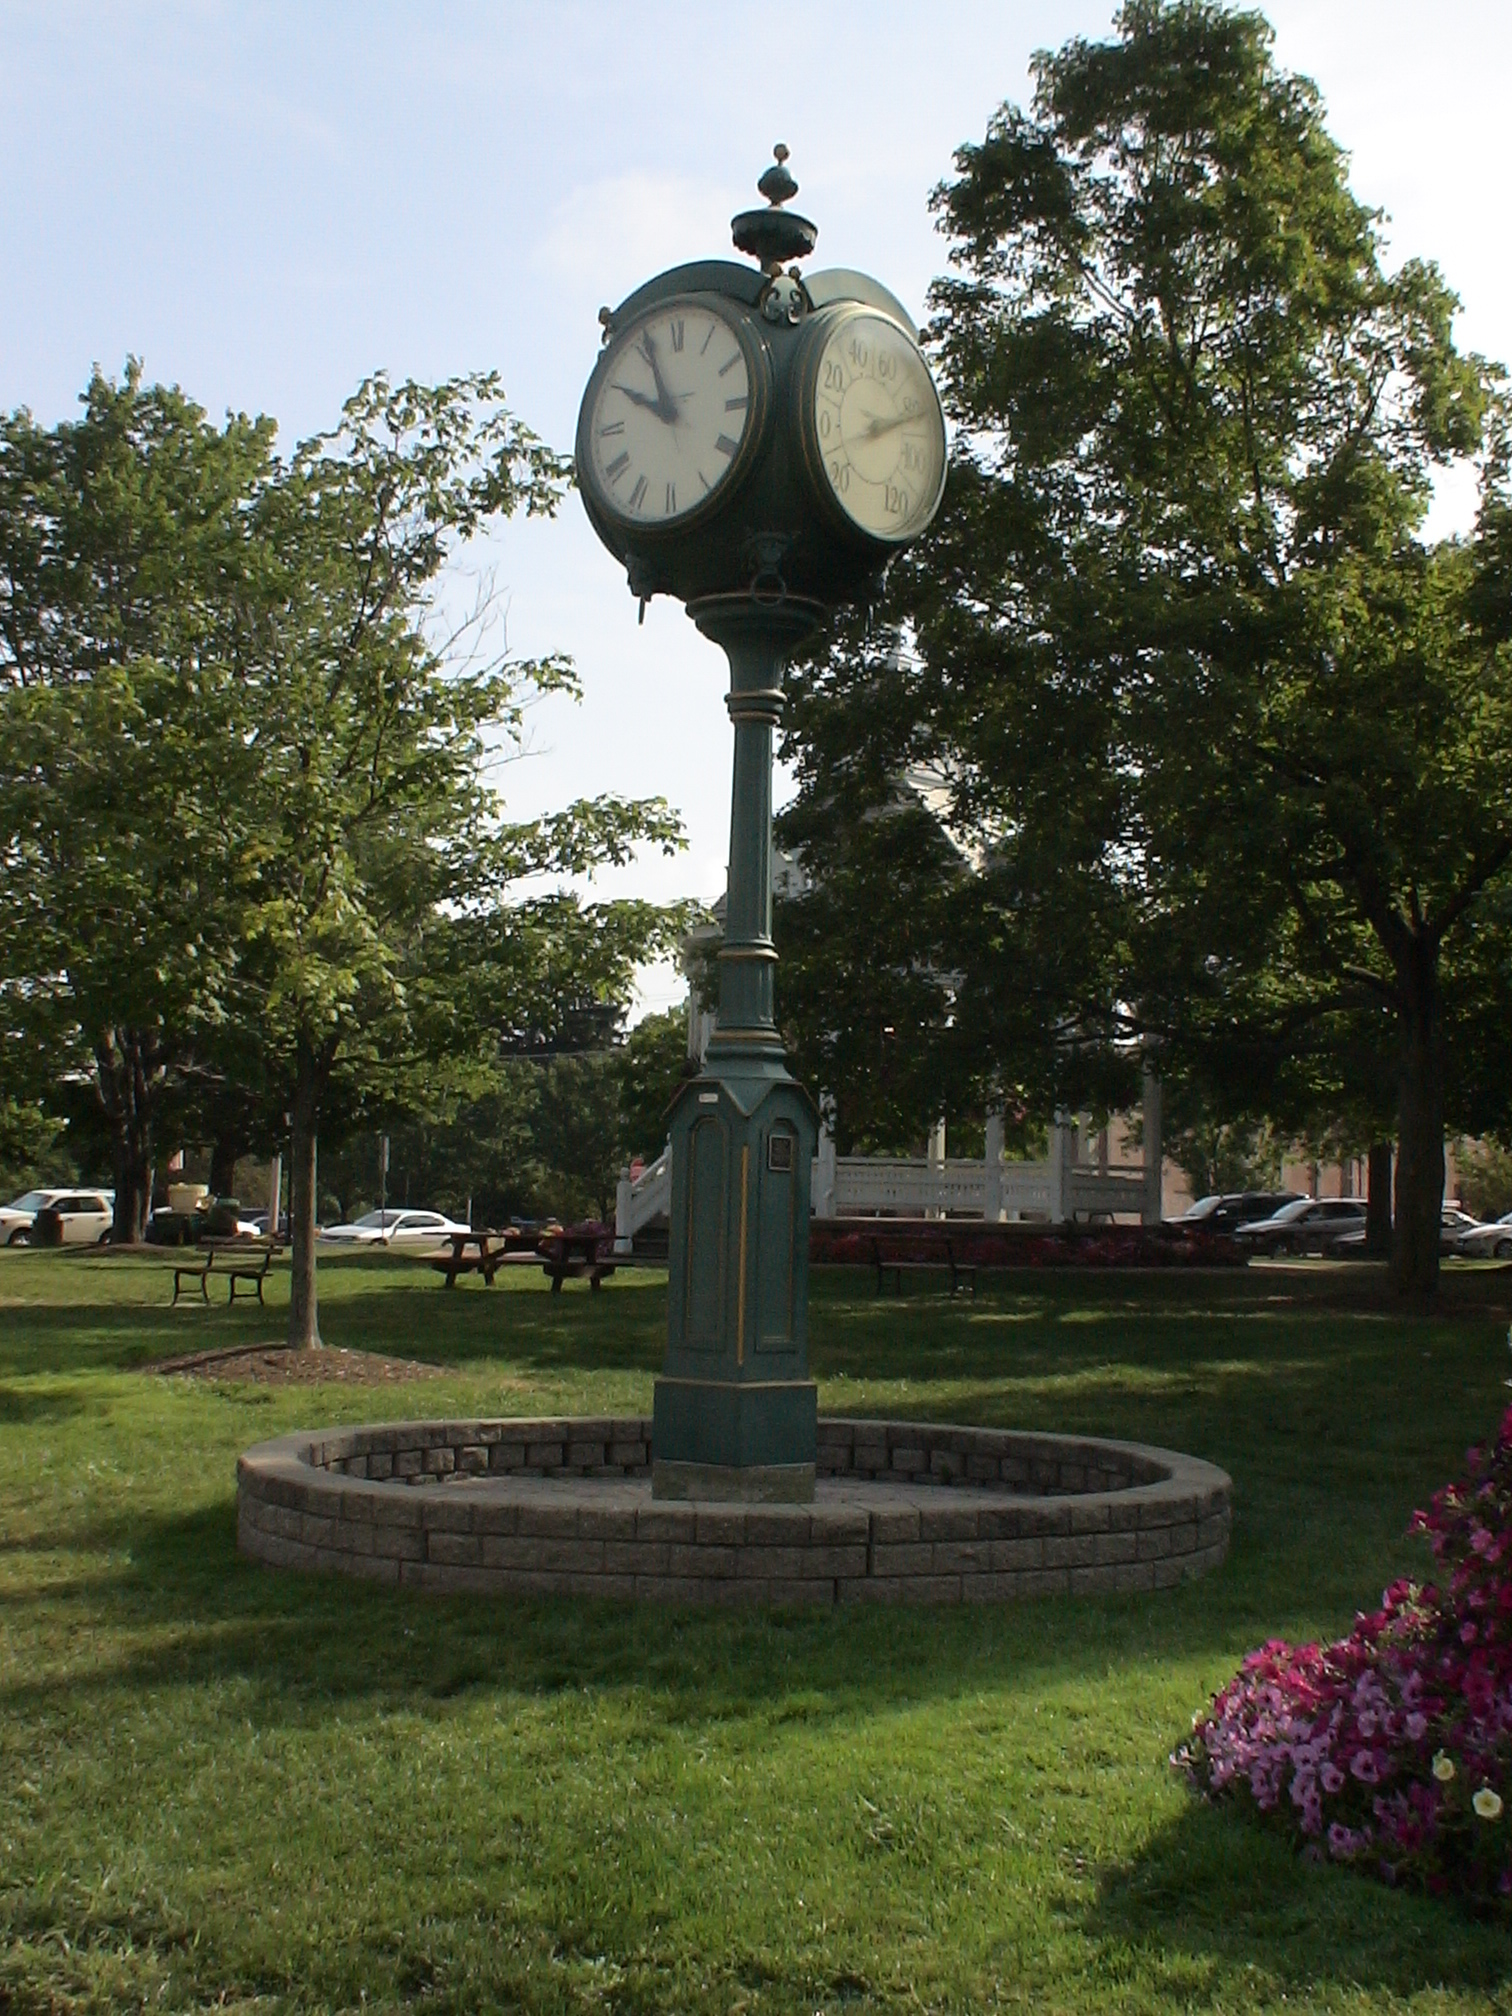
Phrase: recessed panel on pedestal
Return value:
(777, 1211)
(704, 1252)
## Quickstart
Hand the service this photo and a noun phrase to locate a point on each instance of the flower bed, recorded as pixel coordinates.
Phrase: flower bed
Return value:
(852, 1242)
(1392, 1749)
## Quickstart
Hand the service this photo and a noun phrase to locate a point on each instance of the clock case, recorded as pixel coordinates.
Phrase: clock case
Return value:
(772, 527)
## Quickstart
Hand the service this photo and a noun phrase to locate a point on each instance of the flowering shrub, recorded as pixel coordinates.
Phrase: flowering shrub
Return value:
(840, 1243)
(1393, 1748)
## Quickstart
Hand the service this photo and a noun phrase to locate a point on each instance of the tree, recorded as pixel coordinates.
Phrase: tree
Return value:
(376, 858)
(254, 860)
(919, 903)
(1188, 663)
(123, 544)
(650, 1065)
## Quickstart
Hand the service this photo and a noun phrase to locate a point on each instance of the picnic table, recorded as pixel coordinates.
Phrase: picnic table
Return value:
(579, 1250)
(481, 1252)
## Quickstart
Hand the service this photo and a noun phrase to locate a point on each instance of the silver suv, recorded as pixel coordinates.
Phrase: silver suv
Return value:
(1311, 1225)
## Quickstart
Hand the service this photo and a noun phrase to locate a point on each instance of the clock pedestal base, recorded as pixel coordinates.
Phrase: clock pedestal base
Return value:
(735, 1413)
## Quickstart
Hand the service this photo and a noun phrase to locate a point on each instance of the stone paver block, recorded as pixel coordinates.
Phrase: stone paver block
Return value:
(961, 1557)
(909, 1557)
(1015, 1554)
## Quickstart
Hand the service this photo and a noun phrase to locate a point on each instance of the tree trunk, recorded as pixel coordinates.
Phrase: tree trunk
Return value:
(313, 1068)
(223, 1157)
(1378, 1202)
(129, 1072)
(1420, 1124)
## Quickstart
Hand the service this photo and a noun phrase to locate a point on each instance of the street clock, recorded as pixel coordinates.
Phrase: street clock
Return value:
(758, 444)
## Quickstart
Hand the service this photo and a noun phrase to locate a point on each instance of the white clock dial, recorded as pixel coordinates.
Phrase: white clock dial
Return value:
(878, 430)
(672, 414)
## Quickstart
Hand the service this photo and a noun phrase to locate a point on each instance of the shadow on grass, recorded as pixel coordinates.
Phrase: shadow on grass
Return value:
(177, 1606)
(18, 1408)
(361, 1309)
(1220, 1888)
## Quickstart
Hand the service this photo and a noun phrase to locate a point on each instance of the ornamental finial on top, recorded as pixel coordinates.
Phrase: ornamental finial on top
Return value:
(775, 235)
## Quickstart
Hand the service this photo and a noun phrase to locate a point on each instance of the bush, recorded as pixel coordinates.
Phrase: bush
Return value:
(1393, 1748)
(1485, 1177)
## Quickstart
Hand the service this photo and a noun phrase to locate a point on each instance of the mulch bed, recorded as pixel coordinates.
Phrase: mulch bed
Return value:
(281, 1365)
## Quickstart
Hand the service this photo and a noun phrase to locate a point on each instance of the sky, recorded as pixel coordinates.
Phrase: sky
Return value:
(267, 202)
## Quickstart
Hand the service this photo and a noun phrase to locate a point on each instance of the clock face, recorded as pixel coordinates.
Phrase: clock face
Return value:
(674, 415)
(878, 433)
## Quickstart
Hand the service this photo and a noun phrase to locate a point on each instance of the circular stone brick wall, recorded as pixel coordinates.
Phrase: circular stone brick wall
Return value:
(903, 1511)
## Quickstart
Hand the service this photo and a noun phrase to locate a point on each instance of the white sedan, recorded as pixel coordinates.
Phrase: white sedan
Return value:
(87, 1215)
(1487, 1242)
(415, 1231)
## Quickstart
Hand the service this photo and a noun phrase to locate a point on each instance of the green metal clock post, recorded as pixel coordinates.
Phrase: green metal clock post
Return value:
(757, 445)
(735, 1411)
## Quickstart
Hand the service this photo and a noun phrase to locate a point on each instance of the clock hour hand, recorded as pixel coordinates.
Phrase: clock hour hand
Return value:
(638, 398)
(664, 405)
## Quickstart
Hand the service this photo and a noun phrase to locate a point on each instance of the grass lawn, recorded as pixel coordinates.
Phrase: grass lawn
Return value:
(226, 1787)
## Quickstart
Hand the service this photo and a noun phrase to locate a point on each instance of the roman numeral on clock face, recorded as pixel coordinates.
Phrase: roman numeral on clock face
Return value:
(637, 493)
(615, 469)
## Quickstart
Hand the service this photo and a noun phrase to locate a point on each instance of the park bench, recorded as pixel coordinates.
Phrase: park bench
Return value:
(249, 1266)
(245, 1261)
(920, 1256)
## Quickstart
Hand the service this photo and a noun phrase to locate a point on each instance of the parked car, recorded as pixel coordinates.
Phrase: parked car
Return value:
(1487, 1242)
(413, 1230)
(257, 1221)
(1310, 1225)
(215, 1218)
(1234, 1208)
(1453, 1226)
(85, 1215)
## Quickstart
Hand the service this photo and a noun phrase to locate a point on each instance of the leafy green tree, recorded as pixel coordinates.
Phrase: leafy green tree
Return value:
(1187, 662)
(377, 860)
(1485, 1171)
(649, 1066)
(1224, 1155)
(252, 860)
(124, 548)
(956, 949)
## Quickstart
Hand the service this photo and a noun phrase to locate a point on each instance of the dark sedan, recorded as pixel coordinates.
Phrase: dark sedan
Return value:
(1310, 1225)
(1233, 1209)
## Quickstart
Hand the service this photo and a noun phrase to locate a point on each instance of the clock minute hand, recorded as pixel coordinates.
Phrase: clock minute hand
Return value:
(664, 405)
